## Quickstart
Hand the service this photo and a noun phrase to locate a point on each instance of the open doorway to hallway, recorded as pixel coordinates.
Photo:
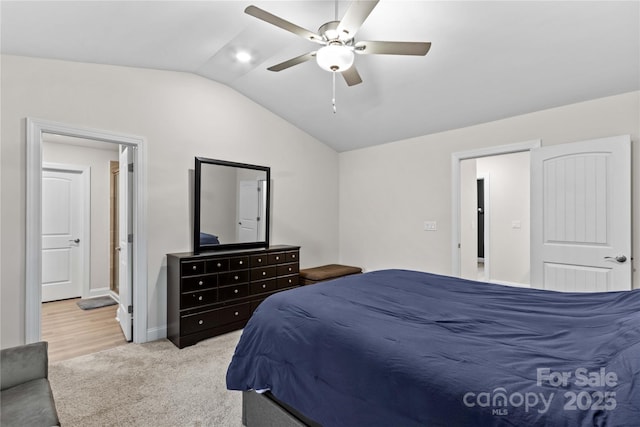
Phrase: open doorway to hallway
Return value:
(79, 252)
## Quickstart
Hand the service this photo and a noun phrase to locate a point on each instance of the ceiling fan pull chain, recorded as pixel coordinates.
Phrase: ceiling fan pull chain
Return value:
(333, 98)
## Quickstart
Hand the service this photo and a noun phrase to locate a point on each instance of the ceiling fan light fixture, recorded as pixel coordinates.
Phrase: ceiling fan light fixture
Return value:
(335, 57)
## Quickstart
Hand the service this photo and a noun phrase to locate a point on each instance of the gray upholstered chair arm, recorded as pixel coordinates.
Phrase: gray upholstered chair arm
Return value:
(23, 363)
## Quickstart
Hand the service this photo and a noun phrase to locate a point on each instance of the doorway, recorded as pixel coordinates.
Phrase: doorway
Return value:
(36, 130)
(78, 316)
(500, 222)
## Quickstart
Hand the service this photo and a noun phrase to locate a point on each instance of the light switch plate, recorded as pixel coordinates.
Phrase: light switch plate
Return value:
(430, 226)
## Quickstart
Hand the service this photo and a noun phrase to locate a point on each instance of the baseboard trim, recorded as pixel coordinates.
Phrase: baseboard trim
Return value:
(154, 334)
(99, 292)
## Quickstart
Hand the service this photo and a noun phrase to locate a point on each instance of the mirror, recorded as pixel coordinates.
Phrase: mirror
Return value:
(231, 205)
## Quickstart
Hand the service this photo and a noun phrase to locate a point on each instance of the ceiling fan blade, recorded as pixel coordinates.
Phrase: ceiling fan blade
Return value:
(282, 23)
(291, 62)
(392, 48)
(354, 18)
(351, 76)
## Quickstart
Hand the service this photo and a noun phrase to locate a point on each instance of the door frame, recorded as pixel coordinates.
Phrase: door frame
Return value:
(85, 179)
(456, 158)
(33, 274)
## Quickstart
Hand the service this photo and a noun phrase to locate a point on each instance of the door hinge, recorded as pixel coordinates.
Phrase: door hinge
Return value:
(130, 238)
(130, 309)
(130, 167)
(458, 245)
(259, 189)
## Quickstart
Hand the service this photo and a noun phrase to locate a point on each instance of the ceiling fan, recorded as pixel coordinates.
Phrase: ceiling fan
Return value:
(338, 49)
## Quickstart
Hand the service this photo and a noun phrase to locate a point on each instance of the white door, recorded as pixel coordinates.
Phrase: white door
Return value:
(125, 181)
(581, 216)
(248, 211)
(62, 234)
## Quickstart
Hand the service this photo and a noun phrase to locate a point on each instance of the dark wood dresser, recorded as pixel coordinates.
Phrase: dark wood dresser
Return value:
(216, 292)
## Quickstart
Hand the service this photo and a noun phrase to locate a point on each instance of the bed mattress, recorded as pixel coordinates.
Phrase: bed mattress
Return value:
(407, 348)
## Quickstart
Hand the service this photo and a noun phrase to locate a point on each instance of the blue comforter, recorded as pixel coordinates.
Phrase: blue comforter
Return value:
(405, 348)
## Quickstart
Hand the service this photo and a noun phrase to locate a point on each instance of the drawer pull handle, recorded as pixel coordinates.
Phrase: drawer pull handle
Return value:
(219, 265)
(293, 256)
(236, 313)
(200, 283)
(235, 291)
(290, 281)
(235, 277)
(259, 259)
(277, 258)
(290, 268)
(241, 263)
(195, 267)
(264, 273)
(200, 322)
(200, 298)
(264, 286)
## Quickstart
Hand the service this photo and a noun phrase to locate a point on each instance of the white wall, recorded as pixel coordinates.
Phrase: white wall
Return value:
(99, 162)
(388, 191)
(181, 116)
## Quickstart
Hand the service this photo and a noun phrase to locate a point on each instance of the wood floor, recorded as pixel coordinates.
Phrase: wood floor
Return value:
(73, 332)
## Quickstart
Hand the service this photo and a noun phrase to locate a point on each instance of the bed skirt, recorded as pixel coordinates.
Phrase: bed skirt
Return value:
(264, 410)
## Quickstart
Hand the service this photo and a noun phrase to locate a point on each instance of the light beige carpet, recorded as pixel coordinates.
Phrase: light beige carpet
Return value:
(151, 384)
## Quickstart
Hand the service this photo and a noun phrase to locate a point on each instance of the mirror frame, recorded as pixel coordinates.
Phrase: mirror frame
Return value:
(197, 247)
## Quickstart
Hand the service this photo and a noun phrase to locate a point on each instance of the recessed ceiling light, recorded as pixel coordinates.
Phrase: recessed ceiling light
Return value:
(243, 56)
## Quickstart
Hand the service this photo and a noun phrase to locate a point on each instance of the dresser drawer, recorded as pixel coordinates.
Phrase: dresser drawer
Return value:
(291, 256)
(276, 258)
(192, 268)
(263, 273)
(217, 265)
(239, 263)
(263, 286)
(233, 313)
(196, 283)
(258, 260)
(195, 299)
(233, 278)
(287, 281)
(214, 318)
(197, 322)
(285, 269)
(233, 292)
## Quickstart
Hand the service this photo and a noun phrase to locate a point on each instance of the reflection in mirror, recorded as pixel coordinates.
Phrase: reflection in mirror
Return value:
(231, 205)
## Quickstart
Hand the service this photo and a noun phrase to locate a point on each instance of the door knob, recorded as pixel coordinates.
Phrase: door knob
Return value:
(619, 258)
(74, 240)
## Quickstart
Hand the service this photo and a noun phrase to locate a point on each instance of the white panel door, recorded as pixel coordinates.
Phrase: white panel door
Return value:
(248, 211)
(125, 228)
(581, 216)
(62, 227)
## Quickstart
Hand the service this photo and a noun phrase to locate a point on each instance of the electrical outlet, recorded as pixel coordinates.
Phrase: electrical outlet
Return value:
(430, 226)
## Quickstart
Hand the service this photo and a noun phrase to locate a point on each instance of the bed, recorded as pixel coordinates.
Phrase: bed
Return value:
(407, 348)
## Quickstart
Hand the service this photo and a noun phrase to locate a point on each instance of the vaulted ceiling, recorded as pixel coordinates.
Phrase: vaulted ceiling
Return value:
(488, 60)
